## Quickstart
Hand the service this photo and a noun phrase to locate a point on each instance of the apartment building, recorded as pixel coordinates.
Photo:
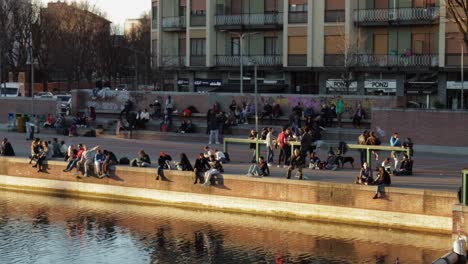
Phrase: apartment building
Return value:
(396, 47)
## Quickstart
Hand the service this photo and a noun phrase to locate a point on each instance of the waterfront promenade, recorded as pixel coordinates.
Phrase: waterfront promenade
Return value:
(431, 171)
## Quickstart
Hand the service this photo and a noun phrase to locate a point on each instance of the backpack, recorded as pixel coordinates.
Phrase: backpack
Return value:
(124, 161)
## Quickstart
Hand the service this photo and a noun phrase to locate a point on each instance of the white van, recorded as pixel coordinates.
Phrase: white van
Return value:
(12, 89)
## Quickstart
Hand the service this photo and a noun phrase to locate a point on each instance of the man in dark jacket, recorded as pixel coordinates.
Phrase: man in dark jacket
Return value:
(297, 162)
(6, 149)
(306, 142)
(163, 163)
(201, 165)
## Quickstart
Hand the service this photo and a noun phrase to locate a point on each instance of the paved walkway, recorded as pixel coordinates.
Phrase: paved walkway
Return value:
(431, 171)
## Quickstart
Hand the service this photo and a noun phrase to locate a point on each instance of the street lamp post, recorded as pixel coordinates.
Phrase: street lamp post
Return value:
(256, 98)
(462, 76)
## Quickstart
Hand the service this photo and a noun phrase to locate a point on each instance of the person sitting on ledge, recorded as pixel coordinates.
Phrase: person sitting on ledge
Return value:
(406, 167)
(87, 161)
(297, 162)
(143, 160)
(99, 160)
(182, 128)
(35, 149)
(215, 169)
(75, 156)
(6, 149)
(382, 180)
(184, 163)
(111, 159)
(46, 154)
(365, 175)
(201, 165)
(50, 121)
(259, 169)
(331, 161)
(163, 163)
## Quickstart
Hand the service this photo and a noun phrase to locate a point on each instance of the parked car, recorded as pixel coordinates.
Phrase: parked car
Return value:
(65, 103)
(48, 95)
(121, 87)
(11, 89)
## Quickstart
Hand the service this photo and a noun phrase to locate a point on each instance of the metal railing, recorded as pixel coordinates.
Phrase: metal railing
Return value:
(199, 61)
(298, 17)
(370, 148)
(297, 60)
(260, 60)
(411, 14)
(335, 16)
(262, 19)
(400, 60)
(173, 61)
(178, 22)
(257, 142)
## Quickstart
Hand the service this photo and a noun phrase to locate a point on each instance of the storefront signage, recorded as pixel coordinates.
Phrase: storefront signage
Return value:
(340, 85)
(456, 85)
(380, 84)
(200, 82)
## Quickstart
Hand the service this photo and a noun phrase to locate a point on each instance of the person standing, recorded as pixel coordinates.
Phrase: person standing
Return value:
(362, 139)
(306, 142)
(270, 146)
(339, 110)
(395, 142)
(169, 109)
(282, 142)
(359, 114)
(213, 127)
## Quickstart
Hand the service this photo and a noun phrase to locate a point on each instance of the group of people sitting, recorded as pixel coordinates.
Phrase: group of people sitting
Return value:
(86, 160)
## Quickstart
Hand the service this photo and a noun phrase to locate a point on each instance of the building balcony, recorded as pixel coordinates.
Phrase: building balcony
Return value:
(197, 20)
(297, 60)
(397, 16)
(254, 21)
(335, 16)
(334, 60)
(401, 60)
(173, 61)
(260, 60)
(297, 17)
(177, 23)
(198, 61)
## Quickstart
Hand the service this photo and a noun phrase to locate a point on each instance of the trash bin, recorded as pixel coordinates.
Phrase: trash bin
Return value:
(21, 124)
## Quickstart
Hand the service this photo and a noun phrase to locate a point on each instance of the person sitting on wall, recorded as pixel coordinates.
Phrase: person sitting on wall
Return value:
(163, 164)
(331, 161)
(406, 167)
(215, 169)
(314, 161)
(143, 160)
(382, 180)
(365, 175)
(297, 163)
(50, 121)
(267, 112)
(111, 159)
(184, 163)
(259, 169)
(200, 167)
(6, 149)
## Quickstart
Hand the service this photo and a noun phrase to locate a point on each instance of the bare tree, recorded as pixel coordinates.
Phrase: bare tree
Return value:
(457, 10)
(139, 42)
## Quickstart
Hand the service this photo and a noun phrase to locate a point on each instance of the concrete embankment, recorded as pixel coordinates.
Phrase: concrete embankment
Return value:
(347, 203)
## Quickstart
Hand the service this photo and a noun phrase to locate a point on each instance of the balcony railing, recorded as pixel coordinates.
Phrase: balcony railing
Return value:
(334, 16)
(297, 17)
(173, 61)
(263, 19)
(197, 20)
(260, 60)
(297, 60)
(174, 23)
(198, 61)
(454, 60)
(416, 15)
(401, 60)
(334, 60)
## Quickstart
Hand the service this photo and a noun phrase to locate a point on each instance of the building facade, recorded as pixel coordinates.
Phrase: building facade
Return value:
(395, 47)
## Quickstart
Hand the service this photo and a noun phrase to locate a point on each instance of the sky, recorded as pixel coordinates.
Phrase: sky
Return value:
(119, 10)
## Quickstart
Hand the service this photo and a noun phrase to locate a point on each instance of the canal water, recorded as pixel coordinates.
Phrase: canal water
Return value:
(50, 229)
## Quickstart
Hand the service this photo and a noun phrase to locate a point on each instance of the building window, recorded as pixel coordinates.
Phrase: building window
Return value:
(235, 46)
(198, 7)
(197, 47)
(298, 6)
(270, 45)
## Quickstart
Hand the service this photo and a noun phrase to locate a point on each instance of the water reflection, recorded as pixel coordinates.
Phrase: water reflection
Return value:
(45, 229)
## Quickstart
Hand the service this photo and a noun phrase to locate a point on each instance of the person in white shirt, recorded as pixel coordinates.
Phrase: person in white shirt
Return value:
(270, 146)
(208, 152)
(220, 156)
